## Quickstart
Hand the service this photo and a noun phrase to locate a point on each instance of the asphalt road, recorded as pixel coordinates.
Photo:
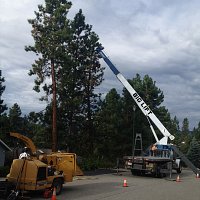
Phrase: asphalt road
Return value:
(110, 187)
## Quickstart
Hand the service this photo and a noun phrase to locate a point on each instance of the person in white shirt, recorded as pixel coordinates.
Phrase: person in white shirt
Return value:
(24, 154)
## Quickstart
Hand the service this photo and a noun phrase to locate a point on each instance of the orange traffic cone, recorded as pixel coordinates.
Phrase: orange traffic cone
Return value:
(125, 183)
(197, 176)
(178, 179)
(54, 194)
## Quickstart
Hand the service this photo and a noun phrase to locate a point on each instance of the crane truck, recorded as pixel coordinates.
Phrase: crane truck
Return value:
(164, 157)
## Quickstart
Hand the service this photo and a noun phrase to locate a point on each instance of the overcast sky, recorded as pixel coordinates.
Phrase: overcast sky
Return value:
(160, 38)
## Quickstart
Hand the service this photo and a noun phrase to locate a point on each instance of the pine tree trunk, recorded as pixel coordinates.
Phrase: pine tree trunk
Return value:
(54, 124)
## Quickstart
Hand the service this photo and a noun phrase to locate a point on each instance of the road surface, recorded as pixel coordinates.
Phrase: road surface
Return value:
(110, 187)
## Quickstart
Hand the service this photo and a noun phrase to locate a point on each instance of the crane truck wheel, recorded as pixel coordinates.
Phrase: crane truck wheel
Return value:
(137, 172)
(58, 184)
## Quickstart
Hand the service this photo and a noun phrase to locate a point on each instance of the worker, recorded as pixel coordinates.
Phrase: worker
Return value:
(153, 150)
(24, 154)
(171, 154)
(51, 169)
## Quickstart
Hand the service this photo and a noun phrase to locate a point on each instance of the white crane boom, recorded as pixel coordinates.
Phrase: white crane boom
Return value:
(139, 101)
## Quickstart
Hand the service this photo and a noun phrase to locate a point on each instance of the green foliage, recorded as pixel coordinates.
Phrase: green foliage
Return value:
(15, 118)
(112, 128)
(185, 126)
(196, 132)
(175, 129)
(50, 30)
(93, 163)
(108, 126)
(67, 56)
(80, 76)
(3, 107)
(119, 122)
(4, 127)
(193, 153)
(183, 137)
(153, 97)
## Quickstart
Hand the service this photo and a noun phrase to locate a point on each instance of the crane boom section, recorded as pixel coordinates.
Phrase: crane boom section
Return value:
(139, 101)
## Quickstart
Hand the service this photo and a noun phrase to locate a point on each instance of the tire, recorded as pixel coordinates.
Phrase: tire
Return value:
(58, 184)
(134, 172)
(158, 173)
(137, 172)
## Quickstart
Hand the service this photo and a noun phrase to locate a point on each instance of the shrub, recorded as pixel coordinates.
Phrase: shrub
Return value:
(92, 163)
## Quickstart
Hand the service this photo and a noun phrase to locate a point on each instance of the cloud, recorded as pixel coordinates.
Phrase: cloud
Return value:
(14, 61)
(156, 37)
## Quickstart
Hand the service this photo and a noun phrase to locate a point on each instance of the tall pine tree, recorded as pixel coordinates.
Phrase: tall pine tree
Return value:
(3, 107)
(193, 153)
(50, 31)
(15, 118)
(109, 128)
(185, 136)
(3, 117)
(79, 79)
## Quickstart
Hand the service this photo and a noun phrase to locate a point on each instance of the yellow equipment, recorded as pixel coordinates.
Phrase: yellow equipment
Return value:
(65, 163)
(40, 172)
(30, 145)
(33, 175)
